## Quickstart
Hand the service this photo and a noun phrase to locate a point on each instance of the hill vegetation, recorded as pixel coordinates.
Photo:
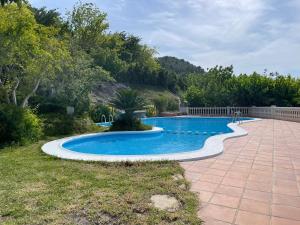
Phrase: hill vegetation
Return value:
(179, 66)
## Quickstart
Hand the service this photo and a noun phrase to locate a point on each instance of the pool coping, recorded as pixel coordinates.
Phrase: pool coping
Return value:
(213, 146)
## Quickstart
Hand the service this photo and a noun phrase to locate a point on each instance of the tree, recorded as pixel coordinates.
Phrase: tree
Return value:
(77, 79)
(87, 25)
(30, 53)
(18, 2)
(129, 101)
(47, 17)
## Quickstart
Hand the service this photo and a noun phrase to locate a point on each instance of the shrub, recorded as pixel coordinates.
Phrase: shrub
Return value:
(51, 108)
(62, 124)
(18, 125)
(97, 111)
(173, 105)
(128, 123)
(164, 103)
(150, 111)
(161, 103)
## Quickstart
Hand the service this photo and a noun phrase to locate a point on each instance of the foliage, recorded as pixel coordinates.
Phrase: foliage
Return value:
(128, 100)
(220, 87)
(179, 66)
(87, 25)
(173, 105)
(30, 54)
(62, 124)
(77, 79)
(126, 122)
(18, 125)
(98, 111)
(164, 103)
(47, 17)
(18, 2)
(150, 111)
(160, 103)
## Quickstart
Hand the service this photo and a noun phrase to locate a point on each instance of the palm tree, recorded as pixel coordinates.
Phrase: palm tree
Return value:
(129, 101)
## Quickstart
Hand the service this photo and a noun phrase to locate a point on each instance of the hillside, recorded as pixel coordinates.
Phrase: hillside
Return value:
(106, 91)
(179, 66)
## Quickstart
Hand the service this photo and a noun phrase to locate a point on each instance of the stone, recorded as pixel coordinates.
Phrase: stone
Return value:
(165, 202)
(177, 177)
(182, 187)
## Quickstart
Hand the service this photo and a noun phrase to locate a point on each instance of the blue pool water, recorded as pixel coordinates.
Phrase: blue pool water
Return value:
(181, 134)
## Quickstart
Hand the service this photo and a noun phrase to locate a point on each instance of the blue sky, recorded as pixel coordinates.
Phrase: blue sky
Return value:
(251, 35)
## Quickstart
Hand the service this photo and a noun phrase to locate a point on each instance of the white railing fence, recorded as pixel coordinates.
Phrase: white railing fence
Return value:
(281, 113)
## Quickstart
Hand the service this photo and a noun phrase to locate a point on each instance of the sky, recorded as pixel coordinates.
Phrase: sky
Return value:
(251, 35)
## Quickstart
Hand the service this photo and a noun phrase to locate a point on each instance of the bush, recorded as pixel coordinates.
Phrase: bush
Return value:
(128, 123)
(61, 124)
(164, 103)
(18, 125)
(161, 103)
(150, 111)
(173, 105)
(97, 111)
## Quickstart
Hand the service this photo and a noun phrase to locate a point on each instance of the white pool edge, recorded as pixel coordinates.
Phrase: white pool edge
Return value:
(213, 146)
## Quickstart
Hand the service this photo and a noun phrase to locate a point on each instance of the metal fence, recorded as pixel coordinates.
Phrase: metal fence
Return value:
(281, 113)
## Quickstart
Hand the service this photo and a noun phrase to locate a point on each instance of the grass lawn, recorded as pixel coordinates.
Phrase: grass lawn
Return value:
(39, 189)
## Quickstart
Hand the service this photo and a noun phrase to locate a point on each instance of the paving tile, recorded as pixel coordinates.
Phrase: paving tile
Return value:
(218, 212)
(286, 187)
(210, 221)
(215, 172)
(282, 221)
(225, 200)
(203, 186)
(205, 196)
(249, 218)
(229, 190)
(258, 186)
(234, 182)
(286, 200)
(257, 195)
(287, 212)
(255, 206)
(258, 173)
(211, 178)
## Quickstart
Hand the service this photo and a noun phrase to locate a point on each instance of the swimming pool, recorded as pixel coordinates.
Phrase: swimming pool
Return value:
(177, 138)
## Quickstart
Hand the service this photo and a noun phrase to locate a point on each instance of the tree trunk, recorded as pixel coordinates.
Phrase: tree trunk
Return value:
(25, 101)
(7, 97)
(5, 92)
(14, 95)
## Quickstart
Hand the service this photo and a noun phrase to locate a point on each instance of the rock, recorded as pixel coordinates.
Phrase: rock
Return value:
(182, 187)
(165, 202)
(177, 177)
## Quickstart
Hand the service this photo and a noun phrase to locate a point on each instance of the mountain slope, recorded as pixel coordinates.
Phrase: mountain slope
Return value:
(179, 66)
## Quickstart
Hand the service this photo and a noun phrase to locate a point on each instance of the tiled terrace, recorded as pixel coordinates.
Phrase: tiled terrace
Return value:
(256, 181)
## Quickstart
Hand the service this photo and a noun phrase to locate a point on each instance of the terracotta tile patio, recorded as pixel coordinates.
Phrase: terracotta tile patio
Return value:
(256, 181)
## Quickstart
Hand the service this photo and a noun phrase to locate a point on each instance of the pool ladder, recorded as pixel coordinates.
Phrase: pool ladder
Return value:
(236, 118)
